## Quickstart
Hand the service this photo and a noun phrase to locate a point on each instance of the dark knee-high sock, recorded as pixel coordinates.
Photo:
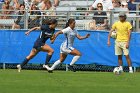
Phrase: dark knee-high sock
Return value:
(48, 59)
(24, 62)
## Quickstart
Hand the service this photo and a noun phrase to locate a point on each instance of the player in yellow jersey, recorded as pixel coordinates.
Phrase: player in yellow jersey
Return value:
(123, 30)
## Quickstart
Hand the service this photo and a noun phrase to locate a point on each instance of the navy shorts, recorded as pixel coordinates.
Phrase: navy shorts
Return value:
(38, 45)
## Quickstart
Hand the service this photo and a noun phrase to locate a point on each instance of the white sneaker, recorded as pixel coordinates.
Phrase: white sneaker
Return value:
(47, 67)
(130, 71)
(19, 68)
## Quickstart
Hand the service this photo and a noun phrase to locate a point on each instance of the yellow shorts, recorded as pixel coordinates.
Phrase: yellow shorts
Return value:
(120, 48)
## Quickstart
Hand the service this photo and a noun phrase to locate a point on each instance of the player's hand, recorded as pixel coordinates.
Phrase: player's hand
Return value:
(108, 43)
(127, 45)
(53, 39)
(87, 35)
(27, 33)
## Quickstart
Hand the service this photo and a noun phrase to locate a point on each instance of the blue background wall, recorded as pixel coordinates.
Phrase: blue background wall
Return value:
(15, 46)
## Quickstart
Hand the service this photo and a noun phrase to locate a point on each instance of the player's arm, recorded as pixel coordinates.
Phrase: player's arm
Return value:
(129, 36)
(82, 37)
(109, 35)
(35, 28)
(52, 38)
(55, 36)
(57, 33)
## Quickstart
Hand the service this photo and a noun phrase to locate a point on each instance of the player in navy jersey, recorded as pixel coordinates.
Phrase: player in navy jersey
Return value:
(67, 46)
(47, 32)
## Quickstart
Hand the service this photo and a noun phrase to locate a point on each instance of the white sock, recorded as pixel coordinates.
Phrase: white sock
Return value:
(121, 68)
(75, 58)
(55, 64)
(130, 69)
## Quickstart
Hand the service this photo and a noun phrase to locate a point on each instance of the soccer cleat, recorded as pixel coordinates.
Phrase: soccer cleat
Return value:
(130, 71)
(71, 68)
(50, 71)
(47, 67)
(19, 68)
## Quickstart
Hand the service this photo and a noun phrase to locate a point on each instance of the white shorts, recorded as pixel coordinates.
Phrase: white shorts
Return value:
(120, 48)
(66, 50)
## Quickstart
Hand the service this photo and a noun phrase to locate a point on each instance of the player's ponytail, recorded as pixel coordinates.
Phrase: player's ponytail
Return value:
(69, 22)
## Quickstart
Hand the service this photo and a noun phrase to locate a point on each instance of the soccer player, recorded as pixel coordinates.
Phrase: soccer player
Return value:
(67, 46)
(123, 30)
(47, 31)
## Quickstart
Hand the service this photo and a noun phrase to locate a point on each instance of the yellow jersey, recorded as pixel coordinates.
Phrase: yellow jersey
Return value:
(122, 29)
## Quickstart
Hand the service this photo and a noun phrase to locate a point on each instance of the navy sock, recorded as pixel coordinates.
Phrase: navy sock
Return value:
(24, 62)
(48, 59)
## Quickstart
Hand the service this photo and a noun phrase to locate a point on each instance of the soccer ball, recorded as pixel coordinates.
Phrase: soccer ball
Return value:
(117, 71)
(114, 34)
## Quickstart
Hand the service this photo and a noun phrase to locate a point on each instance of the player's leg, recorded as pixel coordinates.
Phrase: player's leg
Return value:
(26, 60)
(126, 53)
(129, 63)
(77, 55)
(63, 55)
(49, 50)
(120, 62)
(118, 52)
(62, 58)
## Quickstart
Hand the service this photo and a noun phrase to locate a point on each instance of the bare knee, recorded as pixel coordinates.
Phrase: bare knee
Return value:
(127, 56)
(119, 57)
(79, 54)
(76, 53)
(51, 51)
(62, 60)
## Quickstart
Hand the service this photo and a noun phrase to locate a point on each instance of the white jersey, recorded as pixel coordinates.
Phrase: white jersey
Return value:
(70, 36)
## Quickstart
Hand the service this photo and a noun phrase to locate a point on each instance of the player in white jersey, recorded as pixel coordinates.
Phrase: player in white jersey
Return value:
(67, 46)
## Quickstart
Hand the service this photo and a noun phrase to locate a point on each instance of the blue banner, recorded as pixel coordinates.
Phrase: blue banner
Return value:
(15, 46)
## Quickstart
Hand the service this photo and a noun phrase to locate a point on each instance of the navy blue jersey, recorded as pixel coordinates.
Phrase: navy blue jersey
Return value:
(45, 34)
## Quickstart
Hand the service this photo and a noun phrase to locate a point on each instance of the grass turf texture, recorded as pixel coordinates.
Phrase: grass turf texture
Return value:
(40, 81)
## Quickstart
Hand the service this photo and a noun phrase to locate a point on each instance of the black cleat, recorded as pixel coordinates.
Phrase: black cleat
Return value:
(71, 68)
(50, 71)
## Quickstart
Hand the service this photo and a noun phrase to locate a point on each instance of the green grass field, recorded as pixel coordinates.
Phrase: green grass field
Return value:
(40, 81)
